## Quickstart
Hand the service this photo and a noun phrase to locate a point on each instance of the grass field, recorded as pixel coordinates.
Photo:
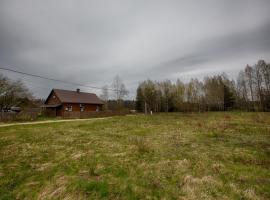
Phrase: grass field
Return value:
(166, 156)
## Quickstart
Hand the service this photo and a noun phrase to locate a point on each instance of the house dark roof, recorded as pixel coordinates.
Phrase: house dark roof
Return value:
(67, 96)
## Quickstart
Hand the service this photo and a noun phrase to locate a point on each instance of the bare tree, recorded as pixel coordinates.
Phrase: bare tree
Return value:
(119, 88)
(105, 96)
(166, 91)
(193, 91)
(11, 92)
(104, 93)
(149, 93)
(242, 95)
(265, 69)
(178, 95)
(258, 79)
(214, 92)
(249, 80)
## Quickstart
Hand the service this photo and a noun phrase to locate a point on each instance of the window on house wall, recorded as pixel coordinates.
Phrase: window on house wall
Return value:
(69, 108)
(81, 107)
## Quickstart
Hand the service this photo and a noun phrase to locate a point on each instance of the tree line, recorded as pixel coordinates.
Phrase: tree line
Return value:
(250, 91)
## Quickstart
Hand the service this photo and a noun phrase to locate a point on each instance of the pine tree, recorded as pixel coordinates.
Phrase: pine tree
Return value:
(229, 98)
(139, 99)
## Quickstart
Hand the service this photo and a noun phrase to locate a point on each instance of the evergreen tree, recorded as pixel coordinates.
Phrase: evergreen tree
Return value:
(229, 98)
(139, 99)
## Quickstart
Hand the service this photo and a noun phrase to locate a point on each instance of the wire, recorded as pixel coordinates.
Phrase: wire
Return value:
(52, 79)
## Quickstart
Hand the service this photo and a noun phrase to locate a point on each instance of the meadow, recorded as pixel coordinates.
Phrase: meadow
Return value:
(222, 155)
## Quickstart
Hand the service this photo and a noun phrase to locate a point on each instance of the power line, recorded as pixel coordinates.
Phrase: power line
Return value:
(52, 79)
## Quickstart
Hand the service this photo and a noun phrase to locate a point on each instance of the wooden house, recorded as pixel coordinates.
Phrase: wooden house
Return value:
(60, 101)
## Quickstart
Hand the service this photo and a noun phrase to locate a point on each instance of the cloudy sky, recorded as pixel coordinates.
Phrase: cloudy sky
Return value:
(90, 42)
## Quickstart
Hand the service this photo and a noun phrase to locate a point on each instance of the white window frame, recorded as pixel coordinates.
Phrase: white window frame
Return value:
(69, 108)
(82, 107)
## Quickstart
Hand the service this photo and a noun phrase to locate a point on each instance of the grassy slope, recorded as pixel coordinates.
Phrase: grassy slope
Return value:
(174, 156)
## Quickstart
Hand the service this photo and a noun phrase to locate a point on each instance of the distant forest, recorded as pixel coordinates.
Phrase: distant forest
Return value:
(249, 92)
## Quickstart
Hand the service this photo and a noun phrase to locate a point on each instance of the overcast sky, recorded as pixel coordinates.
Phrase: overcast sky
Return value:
(90, 42)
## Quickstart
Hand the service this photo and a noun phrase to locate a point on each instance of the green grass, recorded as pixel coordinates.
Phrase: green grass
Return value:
(166, 156)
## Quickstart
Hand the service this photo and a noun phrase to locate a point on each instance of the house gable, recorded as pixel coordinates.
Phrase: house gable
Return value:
(52, 99)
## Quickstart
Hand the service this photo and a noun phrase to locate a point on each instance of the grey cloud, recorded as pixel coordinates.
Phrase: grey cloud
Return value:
(91, 41)
(220, 49)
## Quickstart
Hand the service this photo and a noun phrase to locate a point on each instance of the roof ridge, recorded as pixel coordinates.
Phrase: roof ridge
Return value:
(73, 91)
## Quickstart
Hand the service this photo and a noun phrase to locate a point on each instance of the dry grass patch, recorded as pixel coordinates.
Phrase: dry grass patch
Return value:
(164, 156)
(56, 189)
